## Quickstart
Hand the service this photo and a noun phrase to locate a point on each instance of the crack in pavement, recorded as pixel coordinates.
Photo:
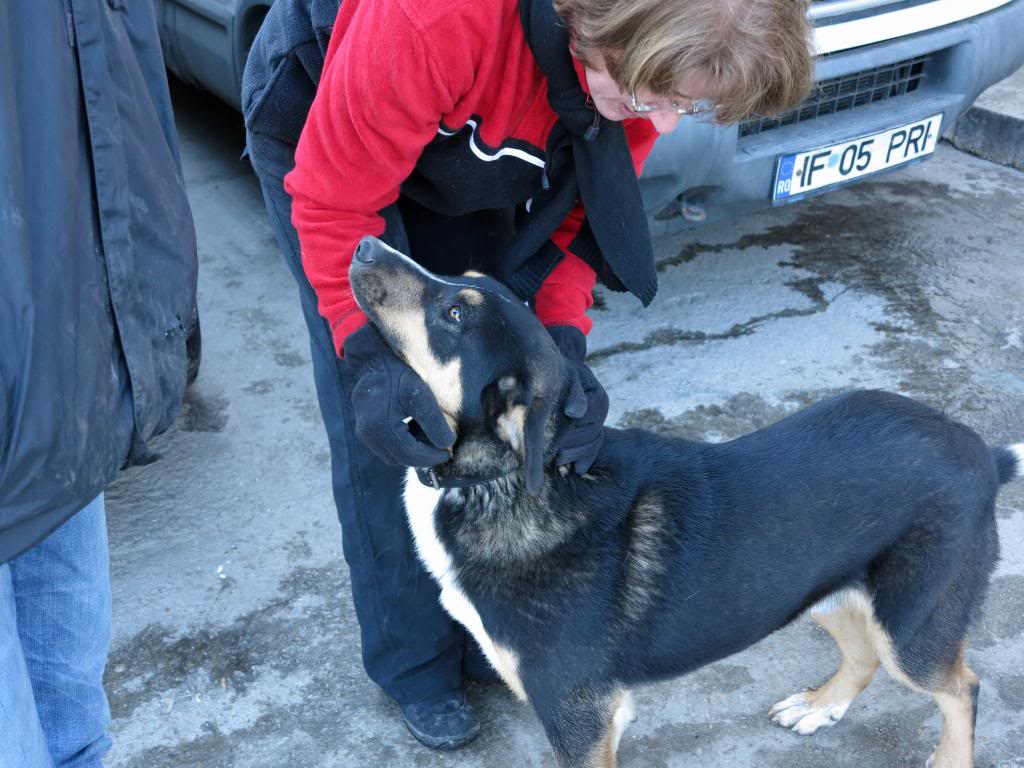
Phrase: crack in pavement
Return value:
(822, 222)
(664, 337)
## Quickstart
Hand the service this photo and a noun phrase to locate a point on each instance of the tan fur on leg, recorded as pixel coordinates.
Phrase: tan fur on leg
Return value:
(808, 711)
(623, 716)
(621, 713)
(956, 694)
(958, 702)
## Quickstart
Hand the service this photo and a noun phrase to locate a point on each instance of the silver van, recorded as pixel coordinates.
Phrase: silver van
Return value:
(893, 76)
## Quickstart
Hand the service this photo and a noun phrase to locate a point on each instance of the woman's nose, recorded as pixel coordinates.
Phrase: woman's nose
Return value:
(665, 122)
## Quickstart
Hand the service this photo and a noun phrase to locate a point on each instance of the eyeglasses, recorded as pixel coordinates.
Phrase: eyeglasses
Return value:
(696, 107)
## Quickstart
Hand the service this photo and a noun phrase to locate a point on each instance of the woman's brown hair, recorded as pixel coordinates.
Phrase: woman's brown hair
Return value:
(757, 53)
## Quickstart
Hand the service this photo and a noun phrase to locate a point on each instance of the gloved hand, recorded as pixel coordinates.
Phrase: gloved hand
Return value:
(586, 404)
(387, 392)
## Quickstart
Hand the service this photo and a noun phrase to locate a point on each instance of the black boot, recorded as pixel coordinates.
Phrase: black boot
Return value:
(446, 722)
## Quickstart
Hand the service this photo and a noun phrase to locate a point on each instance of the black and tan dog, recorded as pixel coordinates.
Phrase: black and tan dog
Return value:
(870, 511)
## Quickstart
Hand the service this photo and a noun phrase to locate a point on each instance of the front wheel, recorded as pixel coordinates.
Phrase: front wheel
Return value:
(193, 350)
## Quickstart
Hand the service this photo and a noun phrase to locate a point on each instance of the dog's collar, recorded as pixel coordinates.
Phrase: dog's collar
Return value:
(430, 478)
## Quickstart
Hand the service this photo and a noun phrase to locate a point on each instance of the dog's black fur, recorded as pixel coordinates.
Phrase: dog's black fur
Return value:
(670, 554)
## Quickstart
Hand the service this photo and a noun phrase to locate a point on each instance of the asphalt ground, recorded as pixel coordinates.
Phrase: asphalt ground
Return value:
(235, 641)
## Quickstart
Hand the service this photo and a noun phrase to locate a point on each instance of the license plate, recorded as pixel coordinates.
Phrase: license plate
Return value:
(805, 172)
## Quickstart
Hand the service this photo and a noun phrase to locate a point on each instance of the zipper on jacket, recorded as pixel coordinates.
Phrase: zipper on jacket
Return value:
(594, 129)
(69, 22)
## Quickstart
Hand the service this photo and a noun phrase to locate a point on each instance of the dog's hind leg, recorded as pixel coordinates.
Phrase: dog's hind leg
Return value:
(957, 698)
(844, 616)
(922, 629)
(954, 689)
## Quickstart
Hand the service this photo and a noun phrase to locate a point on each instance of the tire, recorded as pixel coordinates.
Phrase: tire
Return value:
(193, 351)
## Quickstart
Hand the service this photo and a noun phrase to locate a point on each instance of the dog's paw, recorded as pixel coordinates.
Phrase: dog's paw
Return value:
(805, 715)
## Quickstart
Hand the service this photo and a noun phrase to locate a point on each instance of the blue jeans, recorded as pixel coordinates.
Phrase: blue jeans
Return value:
(55, 626)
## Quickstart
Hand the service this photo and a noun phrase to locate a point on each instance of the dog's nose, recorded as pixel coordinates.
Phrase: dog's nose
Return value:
(364, 251)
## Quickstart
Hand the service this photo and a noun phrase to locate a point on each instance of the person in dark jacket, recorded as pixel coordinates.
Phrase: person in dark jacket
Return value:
(499, 135)
(97, 294)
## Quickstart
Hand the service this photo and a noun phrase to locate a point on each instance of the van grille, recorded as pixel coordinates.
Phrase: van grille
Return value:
(841, 94)
(828, 11)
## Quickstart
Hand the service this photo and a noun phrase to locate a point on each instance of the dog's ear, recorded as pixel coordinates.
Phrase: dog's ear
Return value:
(520, 419)
(534, 443)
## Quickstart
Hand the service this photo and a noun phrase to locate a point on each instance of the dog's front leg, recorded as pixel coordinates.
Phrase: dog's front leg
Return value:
(584, 725)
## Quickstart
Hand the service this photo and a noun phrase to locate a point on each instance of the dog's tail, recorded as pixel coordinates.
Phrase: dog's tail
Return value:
(1009, 461)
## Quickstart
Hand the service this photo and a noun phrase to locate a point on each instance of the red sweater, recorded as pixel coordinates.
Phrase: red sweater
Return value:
(449, 91)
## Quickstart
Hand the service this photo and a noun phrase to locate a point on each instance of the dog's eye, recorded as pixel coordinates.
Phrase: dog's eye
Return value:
(455, 312)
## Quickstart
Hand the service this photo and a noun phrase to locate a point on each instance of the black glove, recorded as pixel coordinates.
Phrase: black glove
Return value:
(586, 404)
(387, 392)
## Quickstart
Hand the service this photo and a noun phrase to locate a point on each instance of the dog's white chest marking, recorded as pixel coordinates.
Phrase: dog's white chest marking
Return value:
(420, 504)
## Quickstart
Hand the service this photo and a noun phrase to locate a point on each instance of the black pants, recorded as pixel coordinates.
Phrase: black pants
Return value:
(410, 647)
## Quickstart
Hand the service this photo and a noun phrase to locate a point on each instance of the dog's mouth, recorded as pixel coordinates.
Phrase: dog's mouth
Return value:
(370, 291)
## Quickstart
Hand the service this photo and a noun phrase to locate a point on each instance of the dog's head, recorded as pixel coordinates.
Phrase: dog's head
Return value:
(493, 368)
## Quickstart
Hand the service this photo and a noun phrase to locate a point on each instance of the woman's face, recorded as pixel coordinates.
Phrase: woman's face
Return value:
(613, 104)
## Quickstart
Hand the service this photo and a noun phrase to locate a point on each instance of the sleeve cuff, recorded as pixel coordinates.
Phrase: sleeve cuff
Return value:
(567, 294)
(581, 322)
(345, 326)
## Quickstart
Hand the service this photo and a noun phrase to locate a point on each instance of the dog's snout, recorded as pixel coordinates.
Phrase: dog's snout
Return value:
(365, 249)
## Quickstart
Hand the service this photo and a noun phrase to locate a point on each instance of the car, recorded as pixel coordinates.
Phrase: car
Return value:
(893, 76)
(205, 42)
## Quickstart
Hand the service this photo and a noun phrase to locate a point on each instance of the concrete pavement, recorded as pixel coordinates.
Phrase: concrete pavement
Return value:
(235, 643)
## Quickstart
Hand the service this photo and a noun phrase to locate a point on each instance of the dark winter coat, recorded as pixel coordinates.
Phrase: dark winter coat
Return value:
(97, 256)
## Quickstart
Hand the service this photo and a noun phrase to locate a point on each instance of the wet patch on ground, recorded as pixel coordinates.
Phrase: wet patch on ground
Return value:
(719, 679)
(298, 548)
(883, 258)
(157, 661)
(288, 359)
(692, 744)
(860, 239)
(868, 739)
(309, 412)
(203, 413)
(264, 339)
(895, 740)
(740, 414)
(297, 645)
(1011, 689)
(1002, 617)
(872, 240)
(263, 386)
